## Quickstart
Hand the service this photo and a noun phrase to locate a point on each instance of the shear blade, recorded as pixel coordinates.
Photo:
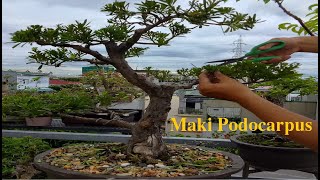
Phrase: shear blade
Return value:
(227, 60)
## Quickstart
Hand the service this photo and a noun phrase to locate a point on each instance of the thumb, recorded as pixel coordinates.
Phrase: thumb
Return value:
(203, 78)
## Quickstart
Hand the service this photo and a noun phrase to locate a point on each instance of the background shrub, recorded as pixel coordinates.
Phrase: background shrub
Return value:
(20, 151)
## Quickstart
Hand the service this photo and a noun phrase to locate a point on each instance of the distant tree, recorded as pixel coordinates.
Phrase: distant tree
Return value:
(115, 87)
(280, 88)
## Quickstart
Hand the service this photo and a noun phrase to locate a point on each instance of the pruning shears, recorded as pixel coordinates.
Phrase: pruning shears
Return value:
(255, 52)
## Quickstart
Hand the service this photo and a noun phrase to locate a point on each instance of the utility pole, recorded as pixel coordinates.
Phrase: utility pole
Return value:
(238, 48)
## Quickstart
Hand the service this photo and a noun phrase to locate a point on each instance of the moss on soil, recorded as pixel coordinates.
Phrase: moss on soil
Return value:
(269, 140)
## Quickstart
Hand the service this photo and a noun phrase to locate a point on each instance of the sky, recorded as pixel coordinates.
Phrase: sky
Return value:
(201, 45)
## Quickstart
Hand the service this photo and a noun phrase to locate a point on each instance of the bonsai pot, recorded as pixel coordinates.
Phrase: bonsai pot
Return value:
(13, 119)
(39, 121)
(54, 172)
(272, 158)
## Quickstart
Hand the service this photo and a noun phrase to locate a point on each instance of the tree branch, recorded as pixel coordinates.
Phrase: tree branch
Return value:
(95, 54)
(139, 32)
(93, 61)
(295, 17)
(134, 78)
(103, 122)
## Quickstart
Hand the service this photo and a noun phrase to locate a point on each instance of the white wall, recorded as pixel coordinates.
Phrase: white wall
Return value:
(25, 82)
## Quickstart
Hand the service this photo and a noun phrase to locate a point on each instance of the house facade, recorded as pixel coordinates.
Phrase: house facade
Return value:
(24, 80)
(190, 101)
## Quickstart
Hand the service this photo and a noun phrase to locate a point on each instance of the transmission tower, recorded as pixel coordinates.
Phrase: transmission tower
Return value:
(238, 48)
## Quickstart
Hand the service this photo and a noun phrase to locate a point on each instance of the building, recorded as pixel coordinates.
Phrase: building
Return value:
(105, 68)
(295, 96)
(190, 101)
(262, 89)
(24, 80)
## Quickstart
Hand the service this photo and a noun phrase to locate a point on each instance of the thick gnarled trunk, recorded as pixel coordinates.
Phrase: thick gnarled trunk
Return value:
(146, 134)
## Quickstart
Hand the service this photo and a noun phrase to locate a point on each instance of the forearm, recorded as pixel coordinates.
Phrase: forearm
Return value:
(308, 43)
(270, 112)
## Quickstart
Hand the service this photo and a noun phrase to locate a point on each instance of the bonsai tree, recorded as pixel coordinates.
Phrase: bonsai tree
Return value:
(127, 34)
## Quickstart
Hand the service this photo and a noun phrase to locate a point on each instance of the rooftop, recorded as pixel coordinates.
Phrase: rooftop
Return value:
(61, 82)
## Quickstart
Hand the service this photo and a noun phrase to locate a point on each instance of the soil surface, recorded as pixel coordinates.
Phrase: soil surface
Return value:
(110, 159)
(269, 140)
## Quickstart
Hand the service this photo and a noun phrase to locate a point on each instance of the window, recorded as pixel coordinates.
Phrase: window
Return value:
(190, 105)
(25, 81)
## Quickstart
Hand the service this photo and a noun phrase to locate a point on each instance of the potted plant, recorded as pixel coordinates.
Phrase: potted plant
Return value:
(10, 105)
(83, 107)
(70, 101)
(34, 109)
(266, 151)
(110, 160)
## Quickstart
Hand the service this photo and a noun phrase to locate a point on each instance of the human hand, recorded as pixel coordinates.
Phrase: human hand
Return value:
(218, 85)
(291, 46)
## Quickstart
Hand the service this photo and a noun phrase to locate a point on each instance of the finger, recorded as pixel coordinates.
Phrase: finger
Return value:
(286, 57)
(267, 46)
(204, 79)
(221, 76)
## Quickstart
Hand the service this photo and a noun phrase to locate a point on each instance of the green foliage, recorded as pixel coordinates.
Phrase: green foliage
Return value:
(123, 22)
(19, 151)
(116, 87)
(284, 86)
(135, 51)
(68, 100)
(228, 149)
(179, 135)
(113, 32)
(53, 57)
(162, 75)
(25, 104)
(251, 72)
(105, 98)
(32, 104)
(283, 77)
